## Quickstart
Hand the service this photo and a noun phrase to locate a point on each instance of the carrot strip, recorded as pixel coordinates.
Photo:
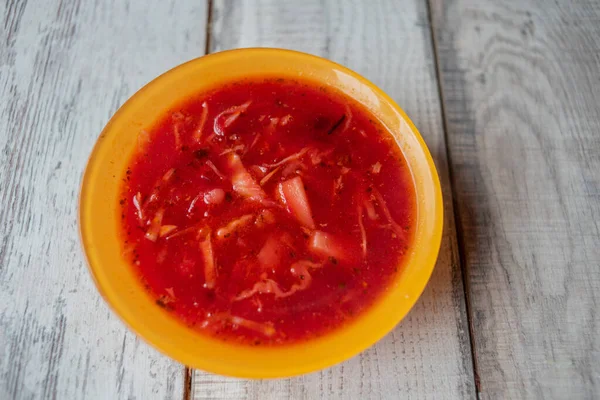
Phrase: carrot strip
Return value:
(256, 138)
(210, 273)
(363, 233)
(215, 169)
(266, 329)
(177, 119)
(167, 176)
(198, 132)
(177, 136)
(181, 232)
(234, 149)
(370, 210)
(269, 176)
(227, 230)
(348, 119)
(154, 230)
(166, 229)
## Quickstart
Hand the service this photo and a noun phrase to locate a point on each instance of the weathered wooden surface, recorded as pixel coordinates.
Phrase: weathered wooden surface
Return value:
(521, 84)
(428, 355)
(65, 67)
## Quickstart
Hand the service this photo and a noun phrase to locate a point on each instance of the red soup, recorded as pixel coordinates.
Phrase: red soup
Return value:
(267, 211)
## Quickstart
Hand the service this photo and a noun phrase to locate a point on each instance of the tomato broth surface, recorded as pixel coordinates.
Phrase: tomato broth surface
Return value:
(267, 211)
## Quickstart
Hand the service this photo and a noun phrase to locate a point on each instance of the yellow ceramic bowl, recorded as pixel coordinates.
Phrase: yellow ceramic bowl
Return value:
(115, 279)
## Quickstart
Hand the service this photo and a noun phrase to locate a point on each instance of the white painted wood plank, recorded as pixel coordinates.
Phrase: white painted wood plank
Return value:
(521, 84)
(65, 67)
(428, 355)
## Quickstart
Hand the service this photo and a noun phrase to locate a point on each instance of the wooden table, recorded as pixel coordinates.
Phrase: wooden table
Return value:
(506, 95)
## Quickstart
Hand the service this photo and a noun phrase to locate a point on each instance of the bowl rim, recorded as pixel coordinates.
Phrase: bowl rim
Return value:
(436, 236)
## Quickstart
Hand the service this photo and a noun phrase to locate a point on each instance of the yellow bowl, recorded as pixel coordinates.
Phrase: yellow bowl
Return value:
(116, 281)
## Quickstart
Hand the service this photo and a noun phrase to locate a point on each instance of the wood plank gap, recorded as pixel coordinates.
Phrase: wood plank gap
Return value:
(209, 12)
(457, 221)
(187, 383)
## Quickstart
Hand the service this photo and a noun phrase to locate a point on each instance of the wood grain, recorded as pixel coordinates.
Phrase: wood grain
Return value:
(65, 67)
(428, 355)
(521, 84)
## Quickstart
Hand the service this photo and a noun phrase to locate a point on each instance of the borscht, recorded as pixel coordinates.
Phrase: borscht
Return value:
(267, 211)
